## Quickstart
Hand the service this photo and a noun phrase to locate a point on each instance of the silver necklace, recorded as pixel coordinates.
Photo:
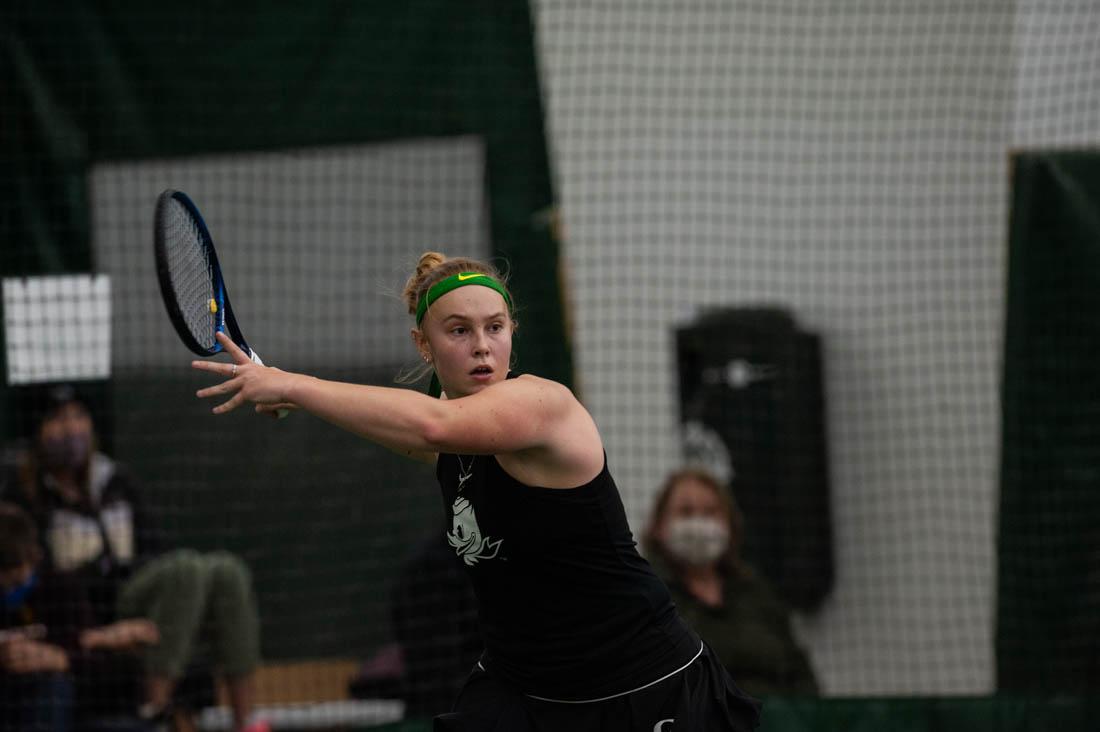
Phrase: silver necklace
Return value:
(464, 472)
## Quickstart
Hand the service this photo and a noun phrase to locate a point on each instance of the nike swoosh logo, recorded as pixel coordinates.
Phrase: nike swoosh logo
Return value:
(660, 726)
(463, 278)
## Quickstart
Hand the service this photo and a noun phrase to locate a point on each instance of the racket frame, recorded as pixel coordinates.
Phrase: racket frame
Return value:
(225, 321)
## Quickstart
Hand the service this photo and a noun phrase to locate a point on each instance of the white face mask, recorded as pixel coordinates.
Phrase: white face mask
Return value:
(696, 540)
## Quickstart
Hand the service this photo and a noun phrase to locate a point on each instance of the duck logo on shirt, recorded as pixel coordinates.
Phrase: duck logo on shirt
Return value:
(466, 536)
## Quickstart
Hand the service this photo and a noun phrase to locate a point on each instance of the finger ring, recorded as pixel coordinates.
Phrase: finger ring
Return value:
(234, 371)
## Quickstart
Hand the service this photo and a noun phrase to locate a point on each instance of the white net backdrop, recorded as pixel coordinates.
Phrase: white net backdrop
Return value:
(848, 160)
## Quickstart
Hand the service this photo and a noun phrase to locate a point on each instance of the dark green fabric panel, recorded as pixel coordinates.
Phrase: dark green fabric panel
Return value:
(1048, 621)
(140, 80)
(43, 157)
(325, 520)
(962, 714)
(92, 81)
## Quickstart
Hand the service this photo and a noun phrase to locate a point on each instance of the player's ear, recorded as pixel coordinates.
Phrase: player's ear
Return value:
(421, 343)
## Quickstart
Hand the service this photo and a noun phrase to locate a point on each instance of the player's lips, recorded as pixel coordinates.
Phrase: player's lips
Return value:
(482, 373)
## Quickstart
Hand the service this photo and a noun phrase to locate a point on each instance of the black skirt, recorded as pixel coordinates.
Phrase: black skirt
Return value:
(701, 697)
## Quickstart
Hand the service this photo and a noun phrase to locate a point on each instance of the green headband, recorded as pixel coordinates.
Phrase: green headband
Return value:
(441, 288)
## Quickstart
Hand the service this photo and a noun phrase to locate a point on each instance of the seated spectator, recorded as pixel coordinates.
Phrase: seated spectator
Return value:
(694, 541)
(93, 527)
(49, 649)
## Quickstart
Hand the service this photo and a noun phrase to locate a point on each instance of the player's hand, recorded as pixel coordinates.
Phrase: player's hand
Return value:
(246, 381)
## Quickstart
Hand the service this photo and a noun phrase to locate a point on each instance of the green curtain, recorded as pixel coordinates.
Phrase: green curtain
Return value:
(916, 714)
(83, 82)
(1048, 614)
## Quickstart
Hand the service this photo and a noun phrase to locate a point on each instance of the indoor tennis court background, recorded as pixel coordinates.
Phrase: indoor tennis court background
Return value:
(848, 161)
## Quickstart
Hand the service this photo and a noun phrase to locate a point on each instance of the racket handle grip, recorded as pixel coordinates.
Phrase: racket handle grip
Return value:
(256, 359)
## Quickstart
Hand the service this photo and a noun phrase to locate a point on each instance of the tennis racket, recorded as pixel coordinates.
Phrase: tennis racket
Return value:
(191, 280)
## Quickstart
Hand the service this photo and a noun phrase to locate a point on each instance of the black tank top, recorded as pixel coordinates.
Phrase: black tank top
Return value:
(568, 608)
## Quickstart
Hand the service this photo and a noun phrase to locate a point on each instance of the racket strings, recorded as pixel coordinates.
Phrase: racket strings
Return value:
(191, 273)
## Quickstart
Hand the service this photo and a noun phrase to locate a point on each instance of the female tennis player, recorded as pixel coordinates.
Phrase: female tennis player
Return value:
(579, 633)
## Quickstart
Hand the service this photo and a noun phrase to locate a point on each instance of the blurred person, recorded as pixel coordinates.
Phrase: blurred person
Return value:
(694, 540)
(93, 526)
(434, 616)
(50, 649)
(579, 633)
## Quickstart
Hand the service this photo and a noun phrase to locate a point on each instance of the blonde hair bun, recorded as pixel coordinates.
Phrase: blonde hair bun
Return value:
(427, 262)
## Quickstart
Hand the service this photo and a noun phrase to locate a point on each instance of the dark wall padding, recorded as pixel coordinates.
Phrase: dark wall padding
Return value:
(755, 378)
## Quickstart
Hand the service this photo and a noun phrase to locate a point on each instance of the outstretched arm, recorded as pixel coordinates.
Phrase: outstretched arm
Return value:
(511, 416)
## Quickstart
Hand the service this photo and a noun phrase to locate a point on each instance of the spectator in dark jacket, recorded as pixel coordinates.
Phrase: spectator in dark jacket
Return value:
(93, 526)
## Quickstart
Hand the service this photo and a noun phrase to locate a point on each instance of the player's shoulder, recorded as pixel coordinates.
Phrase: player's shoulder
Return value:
(534, 393)
(540, 386)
